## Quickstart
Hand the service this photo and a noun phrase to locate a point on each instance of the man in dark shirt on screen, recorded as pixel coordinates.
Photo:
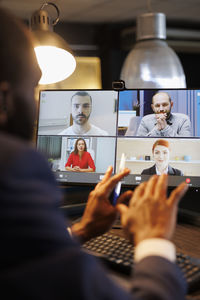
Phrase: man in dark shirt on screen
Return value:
(39, 258)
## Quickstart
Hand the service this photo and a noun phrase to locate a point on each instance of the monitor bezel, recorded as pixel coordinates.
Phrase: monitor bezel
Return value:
(184, 210)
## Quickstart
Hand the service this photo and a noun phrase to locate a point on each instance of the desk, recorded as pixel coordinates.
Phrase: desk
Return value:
(186, 239)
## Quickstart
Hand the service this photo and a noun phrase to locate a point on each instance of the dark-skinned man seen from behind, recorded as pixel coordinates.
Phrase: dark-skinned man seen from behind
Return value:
(39, 258)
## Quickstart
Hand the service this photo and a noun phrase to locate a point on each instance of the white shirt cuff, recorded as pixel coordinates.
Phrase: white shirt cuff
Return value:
(69, 231)
(155, 247)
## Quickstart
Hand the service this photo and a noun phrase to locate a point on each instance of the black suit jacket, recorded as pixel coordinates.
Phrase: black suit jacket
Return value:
(38, 258)
(171, 171)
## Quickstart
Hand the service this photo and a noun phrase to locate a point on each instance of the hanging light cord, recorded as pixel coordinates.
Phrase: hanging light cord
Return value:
(57, 10)
(149, 7)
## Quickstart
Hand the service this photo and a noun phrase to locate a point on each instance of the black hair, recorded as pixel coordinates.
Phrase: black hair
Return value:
(82, 94)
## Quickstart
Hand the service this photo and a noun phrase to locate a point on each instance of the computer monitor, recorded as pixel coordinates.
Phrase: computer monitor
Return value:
(158, 130)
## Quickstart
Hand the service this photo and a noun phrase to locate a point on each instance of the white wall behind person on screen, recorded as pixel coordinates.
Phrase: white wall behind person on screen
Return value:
(103, 113)
(105, 153)
(139, 148)
(55, 111)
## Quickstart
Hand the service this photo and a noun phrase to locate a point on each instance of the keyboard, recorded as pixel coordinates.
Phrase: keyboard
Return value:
(117, 253)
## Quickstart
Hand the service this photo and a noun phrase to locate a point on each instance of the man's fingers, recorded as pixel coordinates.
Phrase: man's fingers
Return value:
(106, 176)
(178, 193)
(124, 197)
(122, 209)
(161, 186)
(150, 187)
(138, 193)
(108, 183)
(111, 183)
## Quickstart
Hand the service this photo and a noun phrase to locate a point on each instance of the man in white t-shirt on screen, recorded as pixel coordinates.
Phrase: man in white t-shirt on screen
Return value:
(81, 107)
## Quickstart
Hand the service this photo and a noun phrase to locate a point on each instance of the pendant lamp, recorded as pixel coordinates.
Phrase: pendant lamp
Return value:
(54, 55)
(152, 63)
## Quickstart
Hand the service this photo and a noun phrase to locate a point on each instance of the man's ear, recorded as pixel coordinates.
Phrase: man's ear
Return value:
(152, 107)
(5, 102)
(172, 103)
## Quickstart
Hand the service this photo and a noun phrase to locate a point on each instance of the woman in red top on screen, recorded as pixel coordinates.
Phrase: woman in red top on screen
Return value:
(80, 160)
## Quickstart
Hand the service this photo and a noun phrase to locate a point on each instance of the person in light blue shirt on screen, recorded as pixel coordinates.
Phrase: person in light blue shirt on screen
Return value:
(163, 122)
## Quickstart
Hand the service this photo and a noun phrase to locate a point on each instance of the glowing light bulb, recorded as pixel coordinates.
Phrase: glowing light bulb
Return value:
(55, 63)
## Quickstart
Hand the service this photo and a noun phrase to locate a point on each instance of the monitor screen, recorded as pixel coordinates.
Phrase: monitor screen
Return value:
(72, 121)
(83, 132)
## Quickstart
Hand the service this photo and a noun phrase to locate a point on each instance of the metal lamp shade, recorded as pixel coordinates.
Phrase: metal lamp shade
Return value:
(152, 63)
(54, 55)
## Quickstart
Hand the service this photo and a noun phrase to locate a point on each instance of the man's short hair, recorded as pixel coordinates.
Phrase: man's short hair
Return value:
(82, 94)
(159, 92)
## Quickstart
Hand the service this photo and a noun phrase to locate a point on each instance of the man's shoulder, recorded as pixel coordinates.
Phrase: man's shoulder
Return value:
(68, 130)
(149, 117)
(12, 145)
(179, 116)
(97, 131)
(174, 171)
(149, 171)
(18, 154)
(94, 130)
(20, 161)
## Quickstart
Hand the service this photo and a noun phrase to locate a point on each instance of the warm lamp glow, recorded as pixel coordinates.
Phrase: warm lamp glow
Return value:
(56, 63)
(53, 54)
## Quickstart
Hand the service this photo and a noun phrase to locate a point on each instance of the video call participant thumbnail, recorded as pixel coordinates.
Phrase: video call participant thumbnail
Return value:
(80, 160)
(161, 153)
(81, 108)
(163, 122)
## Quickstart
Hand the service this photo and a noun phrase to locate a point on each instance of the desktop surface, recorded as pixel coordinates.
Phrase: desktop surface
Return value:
(186, 239)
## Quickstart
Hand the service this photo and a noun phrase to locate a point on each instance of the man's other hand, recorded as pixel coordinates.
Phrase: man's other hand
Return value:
(99, 213)
(150, 213)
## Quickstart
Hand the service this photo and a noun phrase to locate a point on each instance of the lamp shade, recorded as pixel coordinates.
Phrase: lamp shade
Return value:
(53, 53)
(152, 63)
